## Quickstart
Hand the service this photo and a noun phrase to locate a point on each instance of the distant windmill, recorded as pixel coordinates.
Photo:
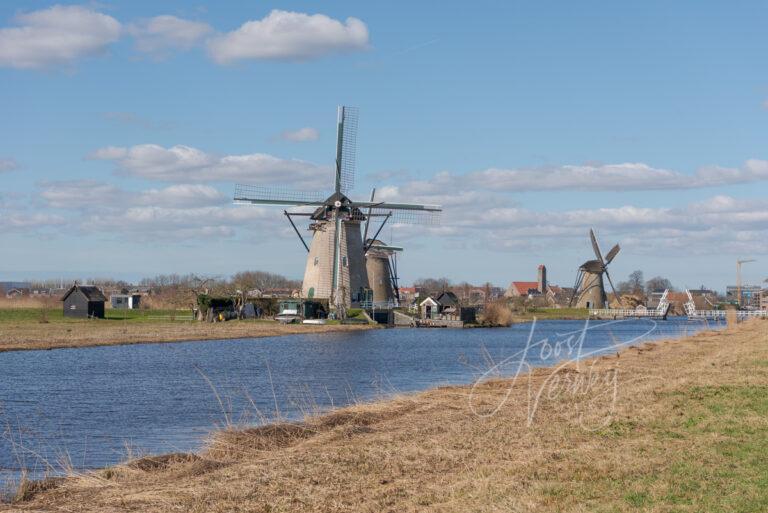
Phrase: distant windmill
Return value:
(336, 266)
(589, 289)
(381, 264)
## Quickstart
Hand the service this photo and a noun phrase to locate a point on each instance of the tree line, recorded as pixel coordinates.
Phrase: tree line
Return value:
(638, 286)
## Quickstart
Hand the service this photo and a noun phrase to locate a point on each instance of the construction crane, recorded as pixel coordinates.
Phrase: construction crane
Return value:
(738, 277)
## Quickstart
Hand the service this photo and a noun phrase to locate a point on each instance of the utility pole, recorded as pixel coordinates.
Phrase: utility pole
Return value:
(738, 278)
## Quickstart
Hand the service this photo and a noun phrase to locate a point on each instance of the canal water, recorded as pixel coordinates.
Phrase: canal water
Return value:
(91, 407)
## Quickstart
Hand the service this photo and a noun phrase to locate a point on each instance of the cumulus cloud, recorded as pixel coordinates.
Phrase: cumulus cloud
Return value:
(8, 165)
(291, 36)
(162, 34)
(301, 135)
(187, 164)
(56, 36)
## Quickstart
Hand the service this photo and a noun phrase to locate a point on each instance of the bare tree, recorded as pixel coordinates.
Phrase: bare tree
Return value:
(433, 285)
(635, 284)
(658, 283)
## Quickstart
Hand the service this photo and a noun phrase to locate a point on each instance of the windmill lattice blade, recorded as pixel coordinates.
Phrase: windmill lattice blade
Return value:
(425, 217)
(348, 156)
(612, 254)
(398, 206)
(276, 196)
(368, 217)
(595, 245)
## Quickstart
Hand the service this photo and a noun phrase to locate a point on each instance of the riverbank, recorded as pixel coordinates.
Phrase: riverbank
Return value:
(30, 329)
(688, 430)
(541, 314)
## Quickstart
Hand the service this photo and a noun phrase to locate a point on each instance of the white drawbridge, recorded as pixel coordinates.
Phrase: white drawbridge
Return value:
(693, 313)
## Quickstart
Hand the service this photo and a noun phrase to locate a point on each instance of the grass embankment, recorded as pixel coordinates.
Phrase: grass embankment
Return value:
(37, 328)
(551, 314)
(688, 432)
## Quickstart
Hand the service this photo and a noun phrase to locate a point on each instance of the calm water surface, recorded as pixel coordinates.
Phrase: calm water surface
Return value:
(90, 406)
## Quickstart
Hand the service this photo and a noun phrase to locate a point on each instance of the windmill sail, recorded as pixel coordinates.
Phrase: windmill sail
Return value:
(259, 195)
(612, 254)
(346, 148)
(595, 246)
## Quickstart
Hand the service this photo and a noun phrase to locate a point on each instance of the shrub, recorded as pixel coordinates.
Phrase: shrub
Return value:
(497, 314)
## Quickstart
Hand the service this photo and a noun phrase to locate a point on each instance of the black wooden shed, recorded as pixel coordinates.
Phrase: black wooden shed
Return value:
(84, 302)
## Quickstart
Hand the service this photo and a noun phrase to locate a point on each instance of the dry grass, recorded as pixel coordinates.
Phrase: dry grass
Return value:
(688, 431)
(498, 314)
(29, 302)
(33, 334)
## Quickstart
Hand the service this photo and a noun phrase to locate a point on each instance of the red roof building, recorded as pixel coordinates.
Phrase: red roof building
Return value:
(522, 288)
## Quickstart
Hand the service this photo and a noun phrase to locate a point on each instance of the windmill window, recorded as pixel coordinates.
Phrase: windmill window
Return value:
(317, 260)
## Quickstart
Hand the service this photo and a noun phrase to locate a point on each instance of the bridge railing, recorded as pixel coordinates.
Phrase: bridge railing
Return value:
(383, 305)
(623, 312)
(722, 314)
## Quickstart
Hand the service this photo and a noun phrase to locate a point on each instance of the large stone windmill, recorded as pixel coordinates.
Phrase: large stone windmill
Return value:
(336, 265)
(589, 289)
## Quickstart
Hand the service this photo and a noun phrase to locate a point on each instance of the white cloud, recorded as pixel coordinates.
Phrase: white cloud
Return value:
(186, 164)
(26, 221)
(718, 225)
(721, 224)
(56, 36)
(592, 177)
(301, 135)
(162, 34)
(178, 212)
(8, 165)
(80, 194)
(183, 195)
(291, 36)
(161, 223)
(99, 196)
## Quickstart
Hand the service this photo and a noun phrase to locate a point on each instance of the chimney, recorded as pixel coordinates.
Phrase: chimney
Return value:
(542, 281)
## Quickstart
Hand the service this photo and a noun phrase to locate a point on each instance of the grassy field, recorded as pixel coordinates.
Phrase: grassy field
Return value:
(681, 427)
(56, 315)
(38, 328)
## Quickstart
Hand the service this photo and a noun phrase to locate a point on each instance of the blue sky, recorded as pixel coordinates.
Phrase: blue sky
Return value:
(126, 124)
